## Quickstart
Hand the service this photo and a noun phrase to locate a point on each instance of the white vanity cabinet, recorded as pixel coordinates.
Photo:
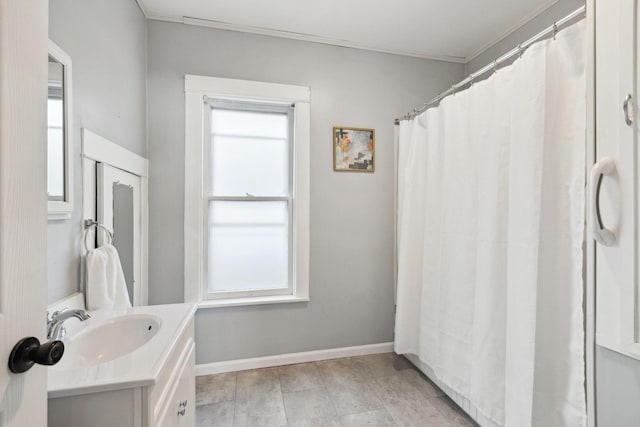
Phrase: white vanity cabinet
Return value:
(171, 402)
(153, 388)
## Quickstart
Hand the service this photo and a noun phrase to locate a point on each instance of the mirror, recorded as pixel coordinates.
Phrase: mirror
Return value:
(123, 231)
(59, 131)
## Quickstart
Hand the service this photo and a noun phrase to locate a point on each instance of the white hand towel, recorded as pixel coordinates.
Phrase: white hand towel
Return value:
(106, 287)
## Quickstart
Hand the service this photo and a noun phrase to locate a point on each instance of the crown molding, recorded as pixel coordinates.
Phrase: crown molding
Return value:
(142, 7)
(344, 43)
(510, 30)
(301, 37)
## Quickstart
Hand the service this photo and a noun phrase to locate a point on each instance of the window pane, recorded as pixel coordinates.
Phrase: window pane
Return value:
(249, 165)
(55, 150)
(248, 246)
(55, 113)
(249, 123)
(55, 164)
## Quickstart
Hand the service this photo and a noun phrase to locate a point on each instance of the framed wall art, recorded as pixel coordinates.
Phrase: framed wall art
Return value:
(353, 149)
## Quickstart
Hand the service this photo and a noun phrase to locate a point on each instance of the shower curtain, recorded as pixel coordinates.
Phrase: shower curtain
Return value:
(490, 233)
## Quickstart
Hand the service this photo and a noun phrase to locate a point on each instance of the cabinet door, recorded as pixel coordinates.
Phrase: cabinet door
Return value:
(617, 291)
(186, 393)
(182, 412)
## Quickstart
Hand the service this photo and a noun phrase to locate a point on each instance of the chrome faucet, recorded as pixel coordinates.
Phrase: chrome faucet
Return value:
(55, 322)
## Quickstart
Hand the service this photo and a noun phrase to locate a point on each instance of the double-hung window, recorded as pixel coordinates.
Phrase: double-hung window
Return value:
(246, 192)
(249, 205)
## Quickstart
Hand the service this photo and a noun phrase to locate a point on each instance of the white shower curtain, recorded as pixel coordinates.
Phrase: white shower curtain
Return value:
(490, 233)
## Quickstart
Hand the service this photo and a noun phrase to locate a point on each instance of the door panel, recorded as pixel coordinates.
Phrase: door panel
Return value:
(118, 190)
(23, 203)
(617, 354)
(616, 271)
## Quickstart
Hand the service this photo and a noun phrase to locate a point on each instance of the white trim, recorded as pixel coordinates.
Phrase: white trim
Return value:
(291, 358)
(58, 210)
(196, 88)
(302, 200)
(396, 148)
(630, 350)
(590, 245)
(510, 30)
(345, 43)
(144, 241)
(193, 184)
(89, 208)
(302, 37)
(102, 150)
(245, 89)
(143, 8)
(234, 302)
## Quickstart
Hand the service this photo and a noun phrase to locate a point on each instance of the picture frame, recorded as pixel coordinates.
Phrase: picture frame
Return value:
(353, 149)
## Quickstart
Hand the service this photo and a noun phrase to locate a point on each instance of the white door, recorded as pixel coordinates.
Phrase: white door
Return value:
(617, 353)
(23, 203)
(616, 207)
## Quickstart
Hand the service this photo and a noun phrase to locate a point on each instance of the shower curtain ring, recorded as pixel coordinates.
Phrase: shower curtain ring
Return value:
(495, 65)
(520, 50)
(555, 30)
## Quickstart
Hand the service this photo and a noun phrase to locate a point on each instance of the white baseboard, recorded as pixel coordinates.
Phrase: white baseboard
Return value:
(291, 358)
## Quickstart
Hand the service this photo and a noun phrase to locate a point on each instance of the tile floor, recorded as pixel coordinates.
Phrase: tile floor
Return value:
(375, 390)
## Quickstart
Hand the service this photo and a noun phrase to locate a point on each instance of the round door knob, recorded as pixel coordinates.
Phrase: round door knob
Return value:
(29, 351)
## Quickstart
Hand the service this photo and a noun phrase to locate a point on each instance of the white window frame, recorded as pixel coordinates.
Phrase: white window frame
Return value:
(62, 209)
(196, 89)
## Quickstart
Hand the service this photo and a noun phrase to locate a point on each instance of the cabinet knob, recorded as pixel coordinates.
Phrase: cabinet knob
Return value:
(182, 408)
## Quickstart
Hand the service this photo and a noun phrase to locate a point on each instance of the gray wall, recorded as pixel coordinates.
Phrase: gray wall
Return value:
(107, 44)
(351, 213)
(558, 11)
(618, 389)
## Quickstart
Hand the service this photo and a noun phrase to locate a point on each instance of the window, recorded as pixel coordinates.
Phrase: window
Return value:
(249, 201)
(246, 192)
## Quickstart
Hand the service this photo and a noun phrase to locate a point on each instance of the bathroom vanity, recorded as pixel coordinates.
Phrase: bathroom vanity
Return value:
(132, 367)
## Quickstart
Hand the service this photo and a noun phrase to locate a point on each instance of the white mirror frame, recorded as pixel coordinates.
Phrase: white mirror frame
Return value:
(63, 209)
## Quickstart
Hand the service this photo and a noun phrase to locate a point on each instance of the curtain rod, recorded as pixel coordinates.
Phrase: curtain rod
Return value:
(493, 66)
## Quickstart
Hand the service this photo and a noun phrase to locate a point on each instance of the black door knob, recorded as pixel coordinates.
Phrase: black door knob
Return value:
(29, 351)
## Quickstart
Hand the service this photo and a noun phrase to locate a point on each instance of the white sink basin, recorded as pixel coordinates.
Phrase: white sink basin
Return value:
(108, 340)
(115, 349)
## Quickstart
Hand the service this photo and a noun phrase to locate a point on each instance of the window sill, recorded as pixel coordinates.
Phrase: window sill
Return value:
(236, 302)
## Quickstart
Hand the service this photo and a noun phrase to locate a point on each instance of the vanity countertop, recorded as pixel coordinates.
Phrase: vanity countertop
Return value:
(138, 368)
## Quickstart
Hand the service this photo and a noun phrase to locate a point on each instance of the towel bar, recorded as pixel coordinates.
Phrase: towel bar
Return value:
(89, 223)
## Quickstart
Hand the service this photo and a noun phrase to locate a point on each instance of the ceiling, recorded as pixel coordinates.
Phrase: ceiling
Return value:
(453, 30)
